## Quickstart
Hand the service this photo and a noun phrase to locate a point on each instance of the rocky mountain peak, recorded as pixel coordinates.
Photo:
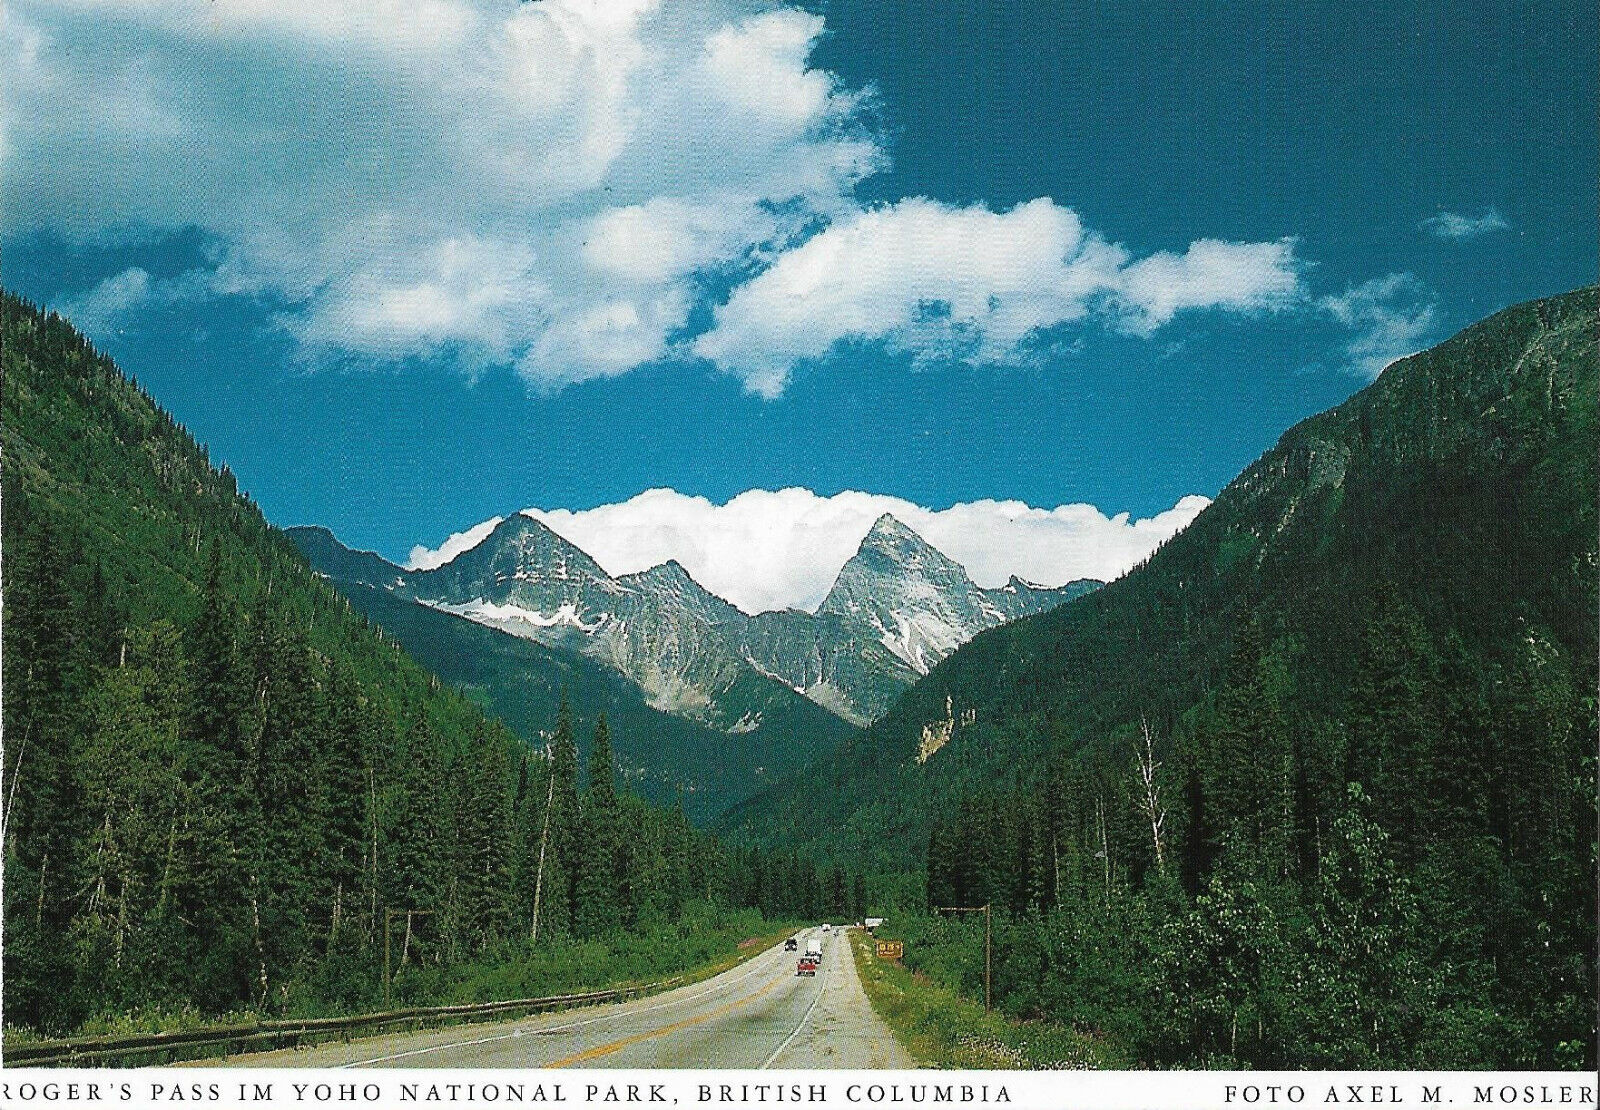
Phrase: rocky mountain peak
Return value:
(890, 537)
(898, 606)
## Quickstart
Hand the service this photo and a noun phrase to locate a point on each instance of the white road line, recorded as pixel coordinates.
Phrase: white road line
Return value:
(767, 1063)
(515, 1033)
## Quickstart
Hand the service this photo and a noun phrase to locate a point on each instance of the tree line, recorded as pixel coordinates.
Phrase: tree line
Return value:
(217, 815)
(1405, 882)
(223, 788)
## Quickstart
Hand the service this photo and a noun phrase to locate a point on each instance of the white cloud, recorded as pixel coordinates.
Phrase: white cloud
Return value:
(759, 69)
(1239, 277)
(541, 185)
(1391, 317)
(109, 305)
(769, 549)
(975, 285)
(527, 184)
(424, 558)
(101, 310)
(1456, 225)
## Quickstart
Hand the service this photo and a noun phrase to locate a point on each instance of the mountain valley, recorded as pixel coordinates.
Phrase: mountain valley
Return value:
(898, 607)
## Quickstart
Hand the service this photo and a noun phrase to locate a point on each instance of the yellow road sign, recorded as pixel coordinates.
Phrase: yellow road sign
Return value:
(891, 949)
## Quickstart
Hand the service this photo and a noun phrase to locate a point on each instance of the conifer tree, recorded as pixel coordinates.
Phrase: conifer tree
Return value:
(484, 859)
(41, 788)
(565, 817)
(346, 819)
(416, 840)
(598, 897)
(1250, 769)
(218, 690)
(1393, 720)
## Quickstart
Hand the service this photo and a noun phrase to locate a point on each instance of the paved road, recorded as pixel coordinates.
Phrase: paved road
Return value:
(757, 1015)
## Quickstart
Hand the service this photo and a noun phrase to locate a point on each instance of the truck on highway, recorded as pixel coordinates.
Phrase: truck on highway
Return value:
(814, 947)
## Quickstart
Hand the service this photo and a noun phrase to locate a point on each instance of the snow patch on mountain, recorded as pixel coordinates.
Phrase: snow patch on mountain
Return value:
(501, 616)
(769, 550)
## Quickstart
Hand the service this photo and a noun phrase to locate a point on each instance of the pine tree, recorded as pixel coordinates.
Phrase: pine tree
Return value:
(416, 839)
(565, 816)
(215, 718)
(1250, 768)
(345, 824)
(1394, 716)
(484, 857)
(42, 804)
(598, 905)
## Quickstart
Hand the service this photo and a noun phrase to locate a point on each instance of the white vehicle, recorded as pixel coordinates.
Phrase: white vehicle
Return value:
(826, 927)
(874, 922)
(814, 948)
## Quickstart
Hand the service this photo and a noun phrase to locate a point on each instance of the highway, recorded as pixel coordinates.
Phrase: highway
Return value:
(757, 1015)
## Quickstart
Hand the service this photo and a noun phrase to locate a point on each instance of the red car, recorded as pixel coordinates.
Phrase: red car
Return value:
(807, 966)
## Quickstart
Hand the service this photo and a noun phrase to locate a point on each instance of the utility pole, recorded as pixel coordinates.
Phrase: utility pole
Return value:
(388, 919)
(988, 946)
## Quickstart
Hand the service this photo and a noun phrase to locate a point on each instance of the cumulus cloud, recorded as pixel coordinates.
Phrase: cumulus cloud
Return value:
(425, 558)
(775, 549)
(1456, 225)
(547, 186)
(975, 285)
(1390, 316)
(516, 184)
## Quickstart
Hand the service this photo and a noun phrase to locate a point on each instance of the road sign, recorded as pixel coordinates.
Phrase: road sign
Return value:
(891, 949)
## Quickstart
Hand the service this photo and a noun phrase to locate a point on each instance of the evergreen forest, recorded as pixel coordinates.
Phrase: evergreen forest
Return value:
(225, 790)
(1315, 786)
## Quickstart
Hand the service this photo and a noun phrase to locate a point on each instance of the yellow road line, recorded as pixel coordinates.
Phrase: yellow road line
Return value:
(617, 1046)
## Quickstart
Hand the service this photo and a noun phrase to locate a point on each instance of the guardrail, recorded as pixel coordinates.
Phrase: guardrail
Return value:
(163, 1048)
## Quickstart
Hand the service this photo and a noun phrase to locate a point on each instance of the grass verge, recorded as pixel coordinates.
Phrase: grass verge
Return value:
(944, 1029)
(688, 952)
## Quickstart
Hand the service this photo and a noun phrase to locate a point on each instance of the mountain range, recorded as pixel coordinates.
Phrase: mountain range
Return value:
(1461, 482)
(897, 608)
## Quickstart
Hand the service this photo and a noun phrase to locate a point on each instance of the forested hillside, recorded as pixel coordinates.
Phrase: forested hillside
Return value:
(220, 781)
(1315, 786)
(521, 682)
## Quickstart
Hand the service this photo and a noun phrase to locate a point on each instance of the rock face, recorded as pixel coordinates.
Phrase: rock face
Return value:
(898, 607)
(1460, 483)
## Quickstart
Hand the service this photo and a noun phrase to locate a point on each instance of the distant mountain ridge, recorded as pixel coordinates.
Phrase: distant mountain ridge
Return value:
(897, 608)
(1461, 481)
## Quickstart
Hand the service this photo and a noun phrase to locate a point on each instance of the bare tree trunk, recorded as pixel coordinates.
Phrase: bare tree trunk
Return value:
(1055, 847)
(1150, 804)
(1105, 844)
(99, 895)
(166, 869)
(261, 949)
(544, 839)
(38, 910)
(16, 777)
(126, 881)
(372, 861)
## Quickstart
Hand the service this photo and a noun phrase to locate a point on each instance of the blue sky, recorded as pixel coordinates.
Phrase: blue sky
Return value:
(404, 270)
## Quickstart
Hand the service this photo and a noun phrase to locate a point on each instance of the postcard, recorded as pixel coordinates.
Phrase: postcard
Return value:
(727, 552)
